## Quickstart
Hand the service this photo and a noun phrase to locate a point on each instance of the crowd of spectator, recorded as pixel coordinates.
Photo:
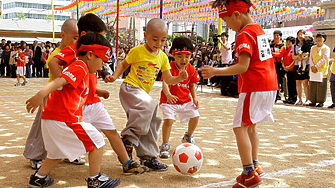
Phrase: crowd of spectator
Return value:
(35, 55)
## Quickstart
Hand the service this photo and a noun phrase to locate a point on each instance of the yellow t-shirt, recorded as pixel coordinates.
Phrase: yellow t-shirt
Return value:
(55, 52)
(145, 67)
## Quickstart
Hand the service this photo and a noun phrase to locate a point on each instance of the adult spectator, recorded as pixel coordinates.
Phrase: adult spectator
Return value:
(332, 81)
(28, 53)
(225, 49)
(275, 46)
(3, 43)
(301, 77)
(37, 66)
(45, 56)
(319, 61)
(5, 57)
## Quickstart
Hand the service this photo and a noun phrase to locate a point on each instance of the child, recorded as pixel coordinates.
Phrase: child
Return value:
(288, 65)
(21, 67)
(94, 111)
(175, 99)
(143, 120)
(34, 148)
(257, 84)
(64, 132)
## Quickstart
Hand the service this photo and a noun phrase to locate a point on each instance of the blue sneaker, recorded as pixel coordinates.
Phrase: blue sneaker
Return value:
(102, 181)
(36, 182)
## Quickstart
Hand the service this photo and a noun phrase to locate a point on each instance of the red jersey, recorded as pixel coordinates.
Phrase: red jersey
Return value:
(261, 73)
(92, 97)
(19, 62)
(67, 55)
(286, 54)
(182, 89)
(65, 104)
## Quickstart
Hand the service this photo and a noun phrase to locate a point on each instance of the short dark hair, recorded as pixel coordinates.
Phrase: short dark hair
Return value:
(278, 32)
(91, 22)
(47, 46)
(224, 34)
(216, 3)
(180, 43)
(322, 34)
(292, 39)
(92, 38)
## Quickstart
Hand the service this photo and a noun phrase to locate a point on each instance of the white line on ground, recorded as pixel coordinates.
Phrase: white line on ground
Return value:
(273, 175)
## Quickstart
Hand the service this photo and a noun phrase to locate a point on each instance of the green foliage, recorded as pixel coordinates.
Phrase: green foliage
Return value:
(200, 39)
(21, 15)
(48, 17)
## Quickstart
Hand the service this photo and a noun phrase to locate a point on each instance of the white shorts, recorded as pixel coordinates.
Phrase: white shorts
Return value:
(20, 70)
(97, 115)
(64, 140)
(185, 111)
(254, 107)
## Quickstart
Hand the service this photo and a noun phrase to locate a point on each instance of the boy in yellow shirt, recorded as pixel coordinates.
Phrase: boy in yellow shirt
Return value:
(142, 128)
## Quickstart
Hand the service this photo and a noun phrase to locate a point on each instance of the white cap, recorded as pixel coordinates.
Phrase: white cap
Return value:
(309, 34)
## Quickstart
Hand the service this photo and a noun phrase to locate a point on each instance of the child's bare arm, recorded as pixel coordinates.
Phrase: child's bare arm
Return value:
(55, 71)
(120, 69)
(37, 100)
(170, 80)
(102, 93)
(239, 68)
(170, 98)
(194, 98)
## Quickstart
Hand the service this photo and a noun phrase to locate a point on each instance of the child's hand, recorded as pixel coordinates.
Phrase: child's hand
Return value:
(196, 102)
(183, 75)
(103, 93)
(207, 71)
(171, 99)
(33, 103)
(110, 78)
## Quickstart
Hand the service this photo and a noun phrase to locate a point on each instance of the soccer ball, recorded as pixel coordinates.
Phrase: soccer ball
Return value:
(187, 158)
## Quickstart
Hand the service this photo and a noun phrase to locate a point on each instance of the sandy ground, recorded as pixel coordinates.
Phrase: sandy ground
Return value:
(298, 150)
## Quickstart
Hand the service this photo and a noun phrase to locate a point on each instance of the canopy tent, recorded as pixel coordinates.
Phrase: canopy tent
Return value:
(194, 10)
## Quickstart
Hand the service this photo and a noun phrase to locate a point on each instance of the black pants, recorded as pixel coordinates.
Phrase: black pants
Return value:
(5, 66)
(291, 85)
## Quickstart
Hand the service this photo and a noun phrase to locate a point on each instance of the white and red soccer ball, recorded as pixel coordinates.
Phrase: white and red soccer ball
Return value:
(187, 158)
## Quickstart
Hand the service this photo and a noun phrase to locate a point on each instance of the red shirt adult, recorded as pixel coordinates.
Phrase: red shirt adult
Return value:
(261, 73)
(65, 104)
(68, 55)
(286, 54)
(182, 89)
(22, 62)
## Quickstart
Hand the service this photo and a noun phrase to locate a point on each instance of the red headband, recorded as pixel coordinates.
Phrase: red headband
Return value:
(184, 51)
(102, 52)
(228, 9)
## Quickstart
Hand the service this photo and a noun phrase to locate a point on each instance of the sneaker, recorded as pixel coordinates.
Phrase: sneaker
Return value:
(24, 83)
(258, 169)
(134, 168)
(36, 182)
(129, 148)
(18, 84)
(35, 164)
(164, 152)
(188, 138)
(154, 164)
(102, 181)
(79, 161)
(250, 181)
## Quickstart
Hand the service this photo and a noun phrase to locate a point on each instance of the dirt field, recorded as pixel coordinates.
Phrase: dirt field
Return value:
(298, 150)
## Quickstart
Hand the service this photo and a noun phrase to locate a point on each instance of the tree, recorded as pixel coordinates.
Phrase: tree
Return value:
(21, 16)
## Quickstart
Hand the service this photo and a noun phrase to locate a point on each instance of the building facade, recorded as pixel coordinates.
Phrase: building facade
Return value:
(33, 9)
